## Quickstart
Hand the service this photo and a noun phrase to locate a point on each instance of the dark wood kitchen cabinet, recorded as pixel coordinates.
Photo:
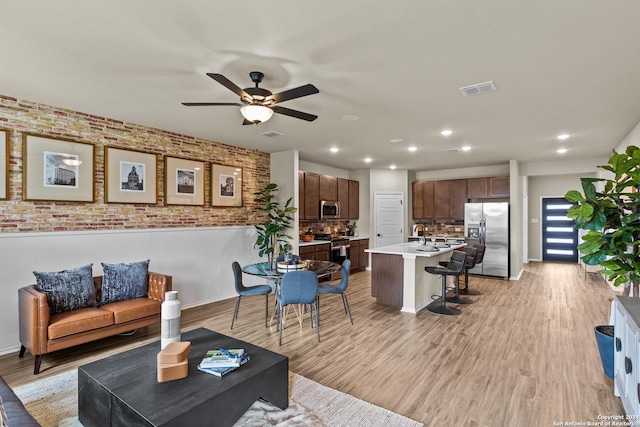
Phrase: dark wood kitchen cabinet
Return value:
(458, 198)
(354, 199)
(321, 252)
(357, 255)
(311, 196)
(328, 186)
(422, 199)
(301, 192)
(442, 199)
(499, 186)
(477, 188)
(343, 198)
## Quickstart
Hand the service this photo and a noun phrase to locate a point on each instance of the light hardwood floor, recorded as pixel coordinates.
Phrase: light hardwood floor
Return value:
(524, 354)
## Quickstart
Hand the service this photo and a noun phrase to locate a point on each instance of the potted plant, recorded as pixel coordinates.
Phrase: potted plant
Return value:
(271, 240)
(611, 216)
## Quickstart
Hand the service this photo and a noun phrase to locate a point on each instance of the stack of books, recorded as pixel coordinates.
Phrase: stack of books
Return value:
(221, 361)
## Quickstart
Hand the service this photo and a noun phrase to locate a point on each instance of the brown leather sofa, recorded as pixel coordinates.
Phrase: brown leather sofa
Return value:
(16, 413)
(42, 332)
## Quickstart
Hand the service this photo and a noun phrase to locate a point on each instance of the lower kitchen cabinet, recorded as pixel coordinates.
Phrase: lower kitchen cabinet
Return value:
(627, 353)
(320, 252)
(357, 255)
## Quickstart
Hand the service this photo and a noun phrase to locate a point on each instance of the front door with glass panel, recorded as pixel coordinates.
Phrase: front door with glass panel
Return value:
(559, 236)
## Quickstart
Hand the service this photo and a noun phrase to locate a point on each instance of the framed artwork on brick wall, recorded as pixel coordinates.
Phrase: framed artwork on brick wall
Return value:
(226, 185)
(184, 181)
(130, 176)
(4, 164)
(57, 169)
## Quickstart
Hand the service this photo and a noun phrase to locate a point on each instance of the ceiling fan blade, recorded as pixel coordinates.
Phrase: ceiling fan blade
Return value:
(204, 104)
(297, 92)
(229, 85)
(294, 113)
(247, 122)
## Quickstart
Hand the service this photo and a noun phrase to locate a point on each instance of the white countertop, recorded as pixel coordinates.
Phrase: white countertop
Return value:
(414, 248)
(319, 242)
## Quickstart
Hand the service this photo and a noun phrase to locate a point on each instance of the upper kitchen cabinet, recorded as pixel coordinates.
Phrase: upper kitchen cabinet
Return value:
(328, 188)
(343, 198)
(422, 199)
(354, 199)
(458, 198)
(499, 186)
(477, 188)
(301, 192)
(310, 195)
(314, 187)
(442, 199)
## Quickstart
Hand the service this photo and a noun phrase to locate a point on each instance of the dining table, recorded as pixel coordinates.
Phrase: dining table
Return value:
(264, 269)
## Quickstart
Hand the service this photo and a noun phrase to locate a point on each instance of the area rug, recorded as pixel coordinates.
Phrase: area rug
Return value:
(53, 403)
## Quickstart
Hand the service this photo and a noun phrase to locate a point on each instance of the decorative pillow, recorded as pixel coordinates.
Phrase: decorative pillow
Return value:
(3, 416)
(67, 290)
(124, 281)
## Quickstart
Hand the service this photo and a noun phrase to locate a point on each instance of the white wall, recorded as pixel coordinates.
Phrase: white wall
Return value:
(633, 138)
(284, 173)
(199, 259)
(389, 180)
(323, 170)
(463, 173)
(565, 166)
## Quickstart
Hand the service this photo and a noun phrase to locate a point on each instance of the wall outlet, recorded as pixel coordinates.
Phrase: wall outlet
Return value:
(534, 220)
(458, 229)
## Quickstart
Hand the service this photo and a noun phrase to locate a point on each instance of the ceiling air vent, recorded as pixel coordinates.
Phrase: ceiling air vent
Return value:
(477, 88)
(454, 150)
(271, 134)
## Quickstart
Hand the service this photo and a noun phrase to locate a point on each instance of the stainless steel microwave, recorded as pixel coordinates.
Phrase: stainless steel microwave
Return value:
(329, 209)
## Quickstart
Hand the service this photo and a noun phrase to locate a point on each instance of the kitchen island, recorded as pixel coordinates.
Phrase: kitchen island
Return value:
(398, 277)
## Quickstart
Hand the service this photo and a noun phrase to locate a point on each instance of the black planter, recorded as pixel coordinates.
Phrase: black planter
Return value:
(604, 338)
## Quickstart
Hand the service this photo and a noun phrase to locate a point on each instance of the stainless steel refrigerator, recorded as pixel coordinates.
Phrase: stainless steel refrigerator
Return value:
(488, 223)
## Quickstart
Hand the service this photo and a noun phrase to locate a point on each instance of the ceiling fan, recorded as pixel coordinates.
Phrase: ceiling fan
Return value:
(259, 104)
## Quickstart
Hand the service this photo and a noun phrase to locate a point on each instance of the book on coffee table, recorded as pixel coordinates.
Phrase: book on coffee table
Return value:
(222, 358)
(219, 372)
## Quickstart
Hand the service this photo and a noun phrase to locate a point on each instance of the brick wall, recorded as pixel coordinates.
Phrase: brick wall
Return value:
(18, 116)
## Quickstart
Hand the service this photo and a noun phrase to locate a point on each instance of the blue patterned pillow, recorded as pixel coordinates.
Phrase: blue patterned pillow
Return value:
(67, 290)
(124, 281)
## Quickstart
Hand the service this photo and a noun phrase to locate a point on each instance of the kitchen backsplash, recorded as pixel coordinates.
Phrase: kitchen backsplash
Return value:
(325, 227)
(452, 229)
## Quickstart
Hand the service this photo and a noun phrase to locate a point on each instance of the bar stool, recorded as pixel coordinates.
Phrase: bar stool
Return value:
(473, 256)
(455, 267)
(457, 299)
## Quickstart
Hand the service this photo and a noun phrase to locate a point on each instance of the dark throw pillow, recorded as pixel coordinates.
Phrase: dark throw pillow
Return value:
(124, 281)
(67, 290)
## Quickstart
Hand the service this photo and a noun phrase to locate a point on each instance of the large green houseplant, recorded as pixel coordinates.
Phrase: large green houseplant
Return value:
(272, 237)
(611, 216)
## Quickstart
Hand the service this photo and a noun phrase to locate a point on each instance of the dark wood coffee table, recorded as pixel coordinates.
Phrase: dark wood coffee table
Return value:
(122, 390)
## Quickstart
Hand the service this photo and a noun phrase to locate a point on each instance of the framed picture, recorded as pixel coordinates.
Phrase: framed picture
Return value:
(4, 164)
(130, 176)
(183, 181)
(226, 185)
(56, 169)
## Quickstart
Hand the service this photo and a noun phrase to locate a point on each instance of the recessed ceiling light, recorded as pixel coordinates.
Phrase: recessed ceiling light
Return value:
(412, 148)
(350, 118)
(561, 150)
(367, 159)
(392, 167)
(446, 132)
(396, 140)
(465, 148)
(333, 149)
(563, 136)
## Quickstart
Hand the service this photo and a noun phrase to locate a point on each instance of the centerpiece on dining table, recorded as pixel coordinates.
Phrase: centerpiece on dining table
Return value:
(291, 263)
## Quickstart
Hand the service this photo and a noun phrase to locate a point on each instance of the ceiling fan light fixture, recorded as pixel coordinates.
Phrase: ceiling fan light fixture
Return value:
(256, 113)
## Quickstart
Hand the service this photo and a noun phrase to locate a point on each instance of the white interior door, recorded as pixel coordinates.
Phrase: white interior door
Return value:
(389, 212)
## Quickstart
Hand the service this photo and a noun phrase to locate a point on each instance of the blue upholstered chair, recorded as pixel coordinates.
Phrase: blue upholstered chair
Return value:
(244, 291)
(298, 287)
(340, 288)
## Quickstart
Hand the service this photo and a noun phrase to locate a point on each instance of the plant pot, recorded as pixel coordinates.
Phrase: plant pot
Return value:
(604, 339)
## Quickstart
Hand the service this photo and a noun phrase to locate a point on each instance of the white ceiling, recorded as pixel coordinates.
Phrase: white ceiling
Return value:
(558, 65)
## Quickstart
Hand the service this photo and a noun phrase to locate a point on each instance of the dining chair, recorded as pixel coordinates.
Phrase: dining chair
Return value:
(298, 287)
(248, 291)
(340, 288)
